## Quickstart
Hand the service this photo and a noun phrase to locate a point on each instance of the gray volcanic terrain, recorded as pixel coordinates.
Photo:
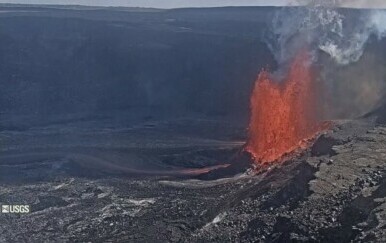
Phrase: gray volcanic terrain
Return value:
(128, 125)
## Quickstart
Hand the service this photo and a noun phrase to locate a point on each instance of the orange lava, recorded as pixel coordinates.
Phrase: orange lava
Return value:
(284, 115)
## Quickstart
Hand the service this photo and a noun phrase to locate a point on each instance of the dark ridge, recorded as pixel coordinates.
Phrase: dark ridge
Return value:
(294, 190)
(290, 181)
(323, 146)
(379, 114)
(240, 163)
(357, 211)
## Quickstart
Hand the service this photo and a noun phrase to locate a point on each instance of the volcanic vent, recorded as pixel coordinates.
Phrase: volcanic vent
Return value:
(284, 115)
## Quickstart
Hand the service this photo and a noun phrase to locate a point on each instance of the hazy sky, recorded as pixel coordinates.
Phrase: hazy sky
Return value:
(155, 3)
(194, 3)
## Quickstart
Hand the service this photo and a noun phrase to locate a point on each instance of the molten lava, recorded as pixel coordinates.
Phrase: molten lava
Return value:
(284, 115)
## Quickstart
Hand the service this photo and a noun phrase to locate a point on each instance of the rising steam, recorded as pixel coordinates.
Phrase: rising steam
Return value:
(337, 38)
(321, 26)
(286, 112)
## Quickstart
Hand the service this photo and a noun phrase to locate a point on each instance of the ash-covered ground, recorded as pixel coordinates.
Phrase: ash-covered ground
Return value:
(334, 192)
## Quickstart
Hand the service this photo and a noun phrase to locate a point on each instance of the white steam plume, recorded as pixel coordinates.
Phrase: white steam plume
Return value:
(320, 26)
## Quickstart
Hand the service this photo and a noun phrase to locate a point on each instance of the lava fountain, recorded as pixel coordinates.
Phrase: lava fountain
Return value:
(284, 115)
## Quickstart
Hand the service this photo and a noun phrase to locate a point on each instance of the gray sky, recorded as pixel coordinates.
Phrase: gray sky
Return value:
(156, 3)
(194, 3)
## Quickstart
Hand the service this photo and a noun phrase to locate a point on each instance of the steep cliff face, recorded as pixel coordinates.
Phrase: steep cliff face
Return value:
(150, 64)
(155, 64)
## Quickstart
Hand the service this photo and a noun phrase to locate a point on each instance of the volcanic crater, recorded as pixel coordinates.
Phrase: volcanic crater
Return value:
(112, 150)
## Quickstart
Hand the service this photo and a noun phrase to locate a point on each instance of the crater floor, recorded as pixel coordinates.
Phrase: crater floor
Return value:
(334, 192)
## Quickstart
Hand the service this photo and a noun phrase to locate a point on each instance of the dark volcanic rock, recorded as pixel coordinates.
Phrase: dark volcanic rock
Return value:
(239, 163)
(341, 201)
(379, 114)
(323, 146)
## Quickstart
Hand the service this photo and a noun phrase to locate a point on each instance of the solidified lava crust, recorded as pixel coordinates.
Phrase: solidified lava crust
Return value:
(335, 186)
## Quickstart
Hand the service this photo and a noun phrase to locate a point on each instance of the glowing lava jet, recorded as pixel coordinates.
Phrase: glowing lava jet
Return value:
(284, 115)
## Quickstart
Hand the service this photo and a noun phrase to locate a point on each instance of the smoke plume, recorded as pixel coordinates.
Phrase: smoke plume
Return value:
(347, 46)
(321, 26)
(344, 3)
